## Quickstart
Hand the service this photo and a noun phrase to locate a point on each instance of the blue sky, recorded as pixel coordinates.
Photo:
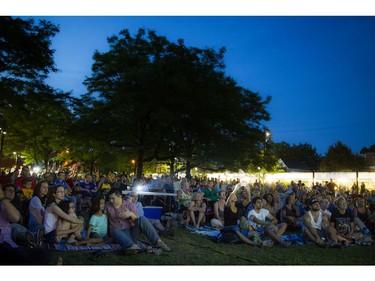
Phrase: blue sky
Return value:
(320, 71)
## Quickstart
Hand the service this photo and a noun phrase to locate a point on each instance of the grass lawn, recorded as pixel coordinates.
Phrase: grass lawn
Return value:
(194, 249)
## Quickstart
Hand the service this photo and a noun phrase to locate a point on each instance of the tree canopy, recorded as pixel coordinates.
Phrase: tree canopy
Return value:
(340, 158)
(164, 100)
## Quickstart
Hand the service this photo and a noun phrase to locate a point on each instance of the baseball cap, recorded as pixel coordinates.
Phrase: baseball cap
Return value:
(313, 201)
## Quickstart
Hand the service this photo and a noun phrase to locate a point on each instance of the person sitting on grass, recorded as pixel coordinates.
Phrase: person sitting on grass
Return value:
(197, 210)
(362, 214)
(316, 227)
(98, 223)
(232, 215)
(343, 221)
(290, 213)
(183, 201)
(37, 206)
(262, 221)
(20, 234)
(11, 252)
(65, 228)
(218, 220)
(125, 225)
(53, 213)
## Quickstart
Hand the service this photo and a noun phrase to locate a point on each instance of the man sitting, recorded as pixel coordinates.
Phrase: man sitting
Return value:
(125, 225)
(316, 227)
(258, 221)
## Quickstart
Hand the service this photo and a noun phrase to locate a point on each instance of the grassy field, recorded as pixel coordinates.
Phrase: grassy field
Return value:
(194, 249)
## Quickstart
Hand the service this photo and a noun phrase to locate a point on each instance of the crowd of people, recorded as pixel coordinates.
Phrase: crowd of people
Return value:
(56, 207)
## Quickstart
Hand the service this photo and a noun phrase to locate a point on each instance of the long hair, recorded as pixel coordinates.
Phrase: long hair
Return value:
(95, 204)
(50, 195)
(37, 192)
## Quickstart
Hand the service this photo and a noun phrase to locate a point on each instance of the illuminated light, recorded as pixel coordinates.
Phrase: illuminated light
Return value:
(139, 188)
(36, 169)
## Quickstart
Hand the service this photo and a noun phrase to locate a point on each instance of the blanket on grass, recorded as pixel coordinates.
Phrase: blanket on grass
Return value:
(69, 247)
(109, 247)
(293, 238)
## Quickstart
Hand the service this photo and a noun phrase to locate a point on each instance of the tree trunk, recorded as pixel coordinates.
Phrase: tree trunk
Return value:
(171, 167)
(139, 164)
(92, 166)
(188, 170)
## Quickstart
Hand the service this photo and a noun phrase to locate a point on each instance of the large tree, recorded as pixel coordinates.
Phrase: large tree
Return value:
(163, 100)
(34, 115)
(340, 158)
(26, 58)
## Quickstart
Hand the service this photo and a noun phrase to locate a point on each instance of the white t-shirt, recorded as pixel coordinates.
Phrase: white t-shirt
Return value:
(35, 206)
(262, 215)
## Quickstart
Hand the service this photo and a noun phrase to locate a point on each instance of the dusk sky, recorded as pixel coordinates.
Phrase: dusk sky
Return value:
(319, 70)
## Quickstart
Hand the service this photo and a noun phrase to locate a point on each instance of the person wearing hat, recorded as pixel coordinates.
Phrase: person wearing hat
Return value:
(316, 226)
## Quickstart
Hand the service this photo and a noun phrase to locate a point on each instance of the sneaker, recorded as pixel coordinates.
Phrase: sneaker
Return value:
(267, 243)
(134, 249)
(30, 239)
(39, 237)
(162, 245)
(285, 244)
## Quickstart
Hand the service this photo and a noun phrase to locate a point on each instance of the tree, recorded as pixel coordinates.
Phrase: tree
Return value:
(162, 100)
(368, 149)
(27, 103)
(38, 127)
(25, 56)
(302, 152)
(340, 158)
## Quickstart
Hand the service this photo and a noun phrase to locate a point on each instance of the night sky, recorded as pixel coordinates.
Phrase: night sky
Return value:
(319, 70)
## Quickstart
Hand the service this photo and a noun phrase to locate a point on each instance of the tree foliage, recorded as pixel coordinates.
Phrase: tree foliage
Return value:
(34, 115)
(340, 158)
(302, 152)
(161, 100)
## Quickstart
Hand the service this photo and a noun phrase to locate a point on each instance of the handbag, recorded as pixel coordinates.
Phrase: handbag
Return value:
(228, 235)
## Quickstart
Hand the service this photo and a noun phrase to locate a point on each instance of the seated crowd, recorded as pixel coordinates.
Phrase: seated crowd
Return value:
(56, 208)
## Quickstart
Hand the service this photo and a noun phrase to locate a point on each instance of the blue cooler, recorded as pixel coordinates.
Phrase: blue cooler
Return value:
(153, 212)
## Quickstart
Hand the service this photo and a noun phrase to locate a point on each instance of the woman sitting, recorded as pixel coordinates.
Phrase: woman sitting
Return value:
(53, 213)
(232, 216)
(290, 213)
(218, 220)
(197, 210)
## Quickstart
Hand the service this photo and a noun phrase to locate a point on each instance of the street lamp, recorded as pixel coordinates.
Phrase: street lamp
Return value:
(267, 135)
(133, 162)
(15, 161)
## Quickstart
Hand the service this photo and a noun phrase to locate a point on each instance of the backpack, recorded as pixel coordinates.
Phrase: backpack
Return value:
(228, 235)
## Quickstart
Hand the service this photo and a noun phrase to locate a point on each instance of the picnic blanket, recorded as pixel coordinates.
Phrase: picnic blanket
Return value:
(295, 239)
(108, 247)
(70, 247)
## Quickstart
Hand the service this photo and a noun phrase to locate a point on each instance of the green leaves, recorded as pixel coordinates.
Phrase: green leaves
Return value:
(168, 100)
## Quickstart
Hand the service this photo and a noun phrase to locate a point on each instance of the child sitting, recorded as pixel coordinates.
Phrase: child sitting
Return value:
(65, 229)
(98, 224)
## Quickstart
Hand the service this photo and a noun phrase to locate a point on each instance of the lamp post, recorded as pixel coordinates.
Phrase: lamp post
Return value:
(133, 162)
(15, 161)
(267, 137)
